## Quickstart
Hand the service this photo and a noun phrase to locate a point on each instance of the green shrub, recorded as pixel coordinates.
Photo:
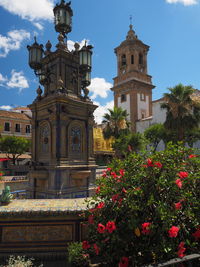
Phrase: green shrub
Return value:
(76, 255)
(146, 209)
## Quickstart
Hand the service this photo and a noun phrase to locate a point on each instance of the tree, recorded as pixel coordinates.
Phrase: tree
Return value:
(183, 110)
(116, 123)
(128, 143)
(14, 146)
(154, 134)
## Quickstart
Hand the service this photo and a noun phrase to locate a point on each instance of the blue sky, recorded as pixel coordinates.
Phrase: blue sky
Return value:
(170, 27)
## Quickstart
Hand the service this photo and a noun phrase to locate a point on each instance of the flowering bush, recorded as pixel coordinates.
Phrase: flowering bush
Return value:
(146, 209)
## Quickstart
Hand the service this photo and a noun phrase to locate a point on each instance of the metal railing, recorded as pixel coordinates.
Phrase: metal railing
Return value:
(192, 260)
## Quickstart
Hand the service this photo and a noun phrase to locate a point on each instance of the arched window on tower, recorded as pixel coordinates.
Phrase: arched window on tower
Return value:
(123, 60)
(132, 59)
(140, 59)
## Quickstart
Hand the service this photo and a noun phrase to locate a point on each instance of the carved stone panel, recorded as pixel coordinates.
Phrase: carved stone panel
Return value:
(37, 233)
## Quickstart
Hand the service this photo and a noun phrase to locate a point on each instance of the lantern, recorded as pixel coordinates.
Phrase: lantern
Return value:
(35, 55)
(63, 17)
(85, 57)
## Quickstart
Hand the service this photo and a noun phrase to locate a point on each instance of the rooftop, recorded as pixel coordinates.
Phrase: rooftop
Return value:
(14, 115)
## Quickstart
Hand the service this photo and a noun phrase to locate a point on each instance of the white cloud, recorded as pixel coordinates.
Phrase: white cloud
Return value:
(12, 41)
(17, 80)
(6, 107)
(99, 87)
(70, 44)
(184, 2)
(38, 25)
(101, 110)
(2, 78)
(31, 10)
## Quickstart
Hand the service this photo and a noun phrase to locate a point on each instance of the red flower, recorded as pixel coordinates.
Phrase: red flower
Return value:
(181, 250)
(110, 226)
(121, 172)
(114, 175)
(178, 205)
(101, 205)
(124, 190)
(173, 231)
(197, 234)
(98, 189)
(85, 245)
(192, 156)
(101, 228)
(115, 197)
(149, 163)
(144, 166)
(120, 201)
(158, 164)
(129, 148)
(108, 169)
(183, 175)
(97, 249)
(104, 174)
(137, 189)
(123, 262)
(91, 219)
(145, 228)
(1, 173)
(179, 183)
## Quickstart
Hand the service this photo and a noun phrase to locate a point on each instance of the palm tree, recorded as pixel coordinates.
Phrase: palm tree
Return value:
(183, 110)
(115, 122)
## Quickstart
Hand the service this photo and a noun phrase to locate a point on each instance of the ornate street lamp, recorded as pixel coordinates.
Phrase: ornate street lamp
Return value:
(85, 60)
(42, 61)
(63, 17)
(35, 55)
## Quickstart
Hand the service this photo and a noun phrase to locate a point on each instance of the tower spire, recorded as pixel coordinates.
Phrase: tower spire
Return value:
(131, 33)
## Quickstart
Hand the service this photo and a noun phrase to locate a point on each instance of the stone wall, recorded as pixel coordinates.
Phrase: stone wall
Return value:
(40, 228)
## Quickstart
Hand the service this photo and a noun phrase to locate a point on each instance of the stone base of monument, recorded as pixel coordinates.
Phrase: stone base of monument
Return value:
(40, 228)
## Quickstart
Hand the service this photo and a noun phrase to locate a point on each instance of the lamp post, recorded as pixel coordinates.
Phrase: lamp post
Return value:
(39, 59)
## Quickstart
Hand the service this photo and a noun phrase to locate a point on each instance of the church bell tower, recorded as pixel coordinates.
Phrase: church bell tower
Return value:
(62, 115)
(133, 86)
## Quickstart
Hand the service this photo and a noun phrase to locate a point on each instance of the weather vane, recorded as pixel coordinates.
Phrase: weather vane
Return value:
(131, 18)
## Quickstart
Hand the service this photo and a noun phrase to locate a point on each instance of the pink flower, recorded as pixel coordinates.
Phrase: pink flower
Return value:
(181, 250)
(101, 205)
(149, 163)
(179, 183)
(101, 228)
(123, 262)
(91, 219)
(145, 228)
(110, 226)
(173, 231)
(85, 245)
(197, 234)
(96, 248)
(178, 205)
(183, 175)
